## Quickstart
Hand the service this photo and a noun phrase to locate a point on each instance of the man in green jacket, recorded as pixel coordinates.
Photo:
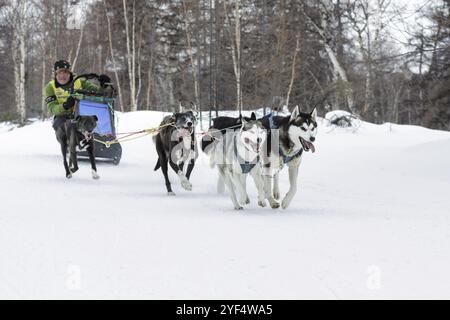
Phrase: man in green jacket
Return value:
(57, 93)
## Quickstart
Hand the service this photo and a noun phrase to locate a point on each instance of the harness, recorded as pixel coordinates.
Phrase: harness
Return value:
(62, 94)
(286, 159)
(246, 166)
(83, 143)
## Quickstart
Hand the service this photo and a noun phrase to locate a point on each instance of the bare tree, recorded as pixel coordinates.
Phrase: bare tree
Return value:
(15, 13)
(193, 61)
(131, 51)
(294, 65)
(113, 58)
(322, 28)
(236, 49)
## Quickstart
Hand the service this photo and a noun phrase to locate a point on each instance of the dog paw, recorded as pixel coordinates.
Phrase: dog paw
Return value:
(69, 176)
(274, 205)
(186, 185)
(74, 169)
(286, 203)
(171, 194)
(262, 203)
(95, 175)
(245, 201)
(239, 208)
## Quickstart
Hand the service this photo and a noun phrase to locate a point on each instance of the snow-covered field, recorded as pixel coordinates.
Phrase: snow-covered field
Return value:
(371, 220)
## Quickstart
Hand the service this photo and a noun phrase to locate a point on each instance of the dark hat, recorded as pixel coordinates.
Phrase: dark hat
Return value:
(62, 65)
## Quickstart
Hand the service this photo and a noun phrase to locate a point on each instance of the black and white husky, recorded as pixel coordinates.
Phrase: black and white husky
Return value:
(237, 155)
(288, 139)
(176, 146)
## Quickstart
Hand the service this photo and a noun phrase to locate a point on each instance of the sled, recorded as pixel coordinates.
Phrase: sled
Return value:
(103, 108)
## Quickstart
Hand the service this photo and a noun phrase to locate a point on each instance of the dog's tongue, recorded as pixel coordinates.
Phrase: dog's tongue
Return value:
(311, 146)
(185, 133)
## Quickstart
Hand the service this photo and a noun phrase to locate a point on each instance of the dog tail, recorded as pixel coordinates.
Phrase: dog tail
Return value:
(158, 165)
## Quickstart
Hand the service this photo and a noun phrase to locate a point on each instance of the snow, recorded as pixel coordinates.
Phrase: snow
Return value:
(370, 221)
(6, 126)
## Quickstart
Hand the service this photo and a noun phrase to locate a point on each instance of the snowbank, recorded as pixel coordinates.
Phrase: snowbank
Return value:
(370, 220)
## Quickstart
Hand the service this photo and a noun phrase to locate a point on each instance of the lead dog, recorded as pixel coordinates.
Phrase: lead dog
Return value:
(77, 133)
(176, 146)
(288, 139)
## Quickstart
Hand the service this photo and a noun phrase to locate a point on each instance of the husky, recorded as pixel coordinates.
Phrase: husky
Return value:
(220, 127)
(237, 155)
(76, 134)
(176, 145)
(216, 132)
(288, 139)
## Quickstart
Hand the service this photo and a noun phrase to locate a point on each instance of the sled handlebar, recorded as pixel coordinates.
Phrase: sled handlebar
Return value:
(109, 90)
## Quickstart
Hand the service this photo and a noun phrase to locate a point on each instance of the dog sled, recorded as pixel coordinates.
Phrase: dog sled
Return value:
(102, 106)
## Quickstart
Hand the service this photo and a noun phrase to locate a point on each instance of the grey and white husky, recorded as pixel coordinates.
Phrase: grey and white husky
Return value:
(288, 139)
(237, 155)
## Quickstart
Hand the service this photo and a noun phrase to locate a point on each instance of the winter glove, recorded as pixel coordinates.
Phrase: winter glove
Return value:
(104, 80)
(70, 102)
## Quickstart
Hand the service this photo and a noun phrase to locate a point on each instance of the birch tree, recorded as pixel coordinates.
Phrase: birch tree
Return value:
(368, 19)
(113, 57)
(322, 29)
(236, 49)
(294, 65)
(194, 62)
(131, 51)
(15, 14)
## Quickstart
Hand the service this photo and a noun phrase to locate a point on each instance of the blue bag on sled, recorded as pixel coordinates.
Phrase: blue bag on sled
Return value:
(105, 130)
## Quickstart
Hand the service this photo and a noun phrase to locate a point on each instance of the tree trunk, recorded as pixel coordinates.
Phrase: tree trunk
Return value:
(294, 64)
(80, 41)
(236, 47)
(191, 56)
(139, 72)
(130, 56)
(113, 59)
(44, 111)
(338, 69)
(150, 82)
(19, 55)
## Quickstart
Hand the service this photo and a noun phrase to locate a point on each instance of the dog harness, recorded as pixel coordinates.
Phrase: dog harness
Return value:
(246, 166)
(286, 159)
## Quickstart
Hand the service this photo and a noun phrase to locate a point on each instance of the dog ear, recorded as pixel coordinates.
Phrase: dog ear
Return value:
(295, 113)
(253, 117)
(194, 107)
(191, 112)
(314, 114)
(95, 118)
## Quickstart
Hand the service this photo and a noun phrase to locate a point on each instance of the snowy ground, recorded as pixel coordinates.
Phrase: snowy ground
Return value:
(371, 220)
